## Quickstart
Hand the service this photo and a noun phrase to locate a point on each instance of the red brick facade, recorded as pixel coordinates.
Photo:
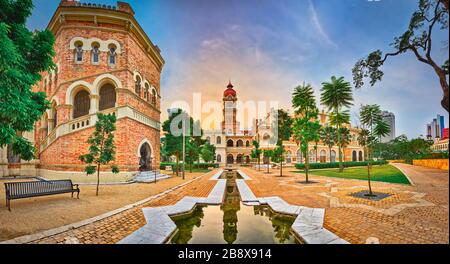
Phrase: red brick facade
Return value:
(101, 27)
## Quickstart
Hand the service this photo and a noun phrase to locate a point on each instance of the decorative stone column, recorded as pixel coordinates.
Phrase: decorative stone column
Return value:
(95, 100)
(64, 113)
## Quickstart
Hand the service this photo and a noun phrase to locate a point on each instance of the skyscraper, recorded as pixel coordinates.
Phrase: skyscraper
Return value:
(389, 118)
(435, 129)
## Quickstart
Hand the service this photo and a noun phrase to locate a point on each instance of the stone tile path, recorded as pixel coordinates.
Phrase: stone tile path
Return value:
(413, 214)
(112, 229)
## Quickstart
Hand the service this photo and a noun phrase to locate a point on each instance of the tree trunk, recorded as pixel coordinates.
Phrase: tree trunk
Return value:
(190, 167)
(259, 163)
(369, 166)
(281, 169)
(341, 167)
(307, 164)
(329, 149)
(98, 178)
(178, 162)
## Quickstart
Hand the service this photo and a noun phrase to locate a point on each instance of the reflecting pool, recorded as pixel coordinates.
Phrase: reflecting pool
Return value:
(233, 222)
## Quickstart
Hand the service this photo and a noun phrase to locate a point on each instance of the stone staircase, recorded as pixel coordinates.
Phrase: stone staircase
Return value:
(149, 176)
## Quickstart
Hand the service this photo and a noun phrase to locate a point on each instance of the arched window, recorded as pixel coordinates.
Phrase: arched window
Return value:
(230, 143)
(147, 92)
(219, 158)
(312, 156)
(112, 55)
(12, 158)
(153, 96)
(95, 53)
(247, 144)
(137, 86)
(54, 115)
(219, 140)
(354, 157)
(333, 156)
(240, 143)
(361, 156)
(323, 156)
(299, 156)
(107, 97)
(79, 52)
(81, 104)
(230, 159)
(288, 157)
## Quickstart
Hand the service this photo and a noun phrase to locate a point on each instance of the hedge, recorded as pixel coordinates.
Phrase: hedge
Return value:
(163, 165)
(330, 165)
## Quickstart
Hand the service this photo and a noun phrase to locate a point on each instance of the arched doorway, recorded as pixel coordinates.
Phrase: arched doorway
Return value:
(230, 159)
(354, 156)
(323, 156)
(360, 158)
(288, 157)
(247, 159)
(333, 156)
(239, 159)
(145, 160)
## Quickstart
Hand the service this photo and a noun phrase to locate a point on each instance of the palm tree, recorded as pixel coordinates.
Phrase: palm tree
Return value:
(380, 130)
(345, 138)
(328, 137)
(305, 125)
(336, 95)
(370, 115)
(363, 141)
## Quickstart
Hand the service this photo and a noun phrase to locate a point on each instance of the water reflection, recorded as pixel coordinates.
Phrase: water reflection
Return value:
(240, 224)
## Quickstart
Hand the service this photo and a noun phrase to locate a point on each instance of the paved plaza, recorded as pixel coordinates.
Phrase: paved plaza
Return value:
(412, 214)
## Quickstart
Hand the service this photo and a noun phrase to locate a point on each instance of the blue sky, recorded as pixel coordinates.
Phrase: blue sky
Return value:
(268, 47)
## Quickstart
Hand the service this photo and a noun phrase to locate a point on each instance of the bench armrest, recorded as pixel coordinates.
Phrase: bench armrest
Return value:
(76, 186)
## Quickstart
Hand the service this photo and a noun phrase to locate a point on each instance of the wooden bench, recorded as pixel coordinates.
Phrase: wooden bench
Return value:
(21, 190)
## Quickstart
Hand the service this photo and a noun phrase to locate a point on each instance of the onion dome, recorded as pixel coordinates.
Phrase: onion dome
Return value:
(229, 91)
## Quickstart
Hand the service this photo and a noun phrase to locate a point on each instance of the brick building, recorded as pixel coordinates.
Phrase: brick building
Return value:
(234, 145)
(105, 63)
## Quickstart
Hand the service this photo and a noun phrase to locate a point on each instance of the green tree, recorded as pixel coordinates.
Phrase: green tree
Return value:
(267, 154)
(102, 150)
(192, 153)
(380, 130)
(174, 132)
(24, 55)
(284, 126)
(345, 138)
(256, 153)
(364, 138)
(305, 125)
(337, 95)
(416, 39)
(208, 152)
(328, 136)
(370, 115)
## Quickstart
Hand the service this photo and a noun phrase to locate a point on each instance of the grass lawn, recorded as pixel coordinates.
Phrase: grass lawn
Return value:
(385, 173)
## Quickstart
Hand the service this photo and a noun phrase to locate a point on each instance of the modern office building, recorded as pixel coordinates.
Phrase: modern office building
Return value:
(435, 129)
(389, 118)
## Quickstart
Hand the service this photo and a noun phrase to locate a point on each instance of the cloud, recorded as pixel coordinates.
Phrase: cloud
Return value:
(315, 21)
(234, 53)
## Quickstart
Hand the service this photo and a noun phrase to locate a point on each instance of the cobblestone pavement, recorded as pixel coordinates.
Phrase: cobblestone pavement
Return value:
(112, 229)
(412, 214)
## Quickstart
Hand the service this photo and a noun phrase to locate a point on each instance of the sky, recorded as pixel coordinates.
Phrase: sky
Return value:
(267, 48)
